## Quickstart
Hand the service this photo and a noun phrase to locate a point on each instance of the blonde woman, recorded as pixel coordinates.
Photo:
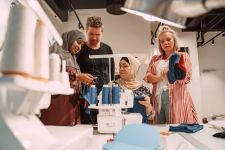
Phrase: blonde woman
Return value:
(172, 102)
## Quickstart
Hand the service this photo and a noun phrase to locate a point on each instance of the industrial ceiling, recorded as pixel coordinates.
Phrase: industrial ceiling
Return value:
(211, 21)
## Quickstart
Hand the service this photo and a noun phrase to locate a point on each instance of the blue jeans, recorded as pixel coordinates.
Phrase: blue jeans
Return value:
(163, 115)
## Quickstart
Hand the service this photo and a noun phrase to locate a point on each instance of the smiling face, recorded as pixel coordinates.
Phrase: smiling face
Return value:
(167, 42)
(76, 46)
(124, 69)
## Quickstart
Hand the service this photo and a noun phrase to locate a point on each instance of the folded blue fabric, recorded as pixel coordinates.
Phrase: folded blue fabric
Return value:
(135, 137)
(188, 128)
(86, 93)
(138, 108)
(175, 73)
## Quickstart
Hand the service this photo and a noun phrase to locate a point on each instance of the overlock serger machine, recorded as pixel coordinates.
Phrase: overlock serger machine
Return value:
(113, 103)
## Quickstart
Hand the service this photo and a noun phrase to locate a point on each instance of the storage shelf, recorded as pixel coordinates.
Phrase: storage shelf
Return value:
(21, 83)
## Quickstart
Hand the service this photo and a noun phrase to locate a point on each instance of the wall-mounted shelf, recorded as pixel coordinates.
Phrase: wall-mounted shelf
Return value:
(21, 83)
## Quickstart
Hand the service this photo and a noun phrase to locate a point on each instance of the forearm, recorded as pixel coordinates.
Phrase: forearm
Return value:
(153, 78)
(148, 109)
(150, 113)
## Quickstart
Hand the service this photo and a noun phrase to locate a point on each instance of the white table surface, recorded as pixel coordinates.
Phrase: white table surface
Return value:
(185, 141)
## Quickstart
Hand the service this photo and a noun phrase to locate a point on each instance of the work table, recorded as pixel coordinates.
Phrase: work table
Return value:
(89, 139)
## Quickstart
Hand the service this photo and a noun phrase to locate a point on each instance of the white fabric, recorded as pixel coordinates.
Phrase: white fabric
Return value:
(162, 85)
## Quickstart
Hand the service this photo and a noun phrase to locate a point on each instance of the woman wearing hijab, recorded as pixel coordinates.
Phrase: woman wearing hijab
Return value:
(128, 68)
(65, 109)
(72, 42)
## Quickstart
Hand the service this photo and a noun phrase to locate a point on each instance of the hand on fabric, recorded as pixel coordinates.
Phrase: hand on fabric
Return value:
(148, 107)
(85, 78)
(146, 102)
(152, 116)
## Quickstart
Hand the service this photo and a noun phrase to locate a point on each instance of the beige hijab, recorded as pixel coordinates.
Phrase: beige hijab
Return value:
(132, 83)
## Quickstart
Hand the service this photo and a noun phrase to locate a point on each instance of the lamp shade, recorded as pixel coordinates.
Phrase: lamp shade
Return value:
(154, 10)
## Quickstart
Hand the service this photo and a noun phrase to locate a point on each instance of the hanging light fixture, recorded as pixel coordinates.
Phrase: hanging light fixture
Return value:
(171, 12)
(154, 10)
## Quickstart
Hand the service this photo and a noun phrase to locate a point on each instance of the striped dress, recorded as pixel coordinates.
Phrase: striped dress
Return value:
(181, 106)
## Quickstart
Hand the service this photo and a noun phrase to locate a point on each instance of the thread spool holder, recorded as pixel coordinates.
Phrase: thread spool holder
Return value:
(20, 99)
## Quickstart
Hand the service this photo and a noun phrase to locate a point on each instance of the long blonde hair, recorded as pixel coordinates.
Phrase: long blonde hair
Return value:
(163, 29)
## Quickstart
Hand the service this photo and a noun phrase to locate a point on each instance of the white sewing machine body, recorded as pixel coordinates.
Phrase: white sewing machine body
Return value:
(111, 118)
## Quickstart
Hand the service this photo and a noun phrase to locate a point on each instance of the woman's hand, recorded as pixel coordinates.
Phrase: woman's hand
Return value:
(151, 78)
(146, 102)
(75, 48)
(148, 107)
(164, 73)
(75, 86)
(146, 77)
(71, 70)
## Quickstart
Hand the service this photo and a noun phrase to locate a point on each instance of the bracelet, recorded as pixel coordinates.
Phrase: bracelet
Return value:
(149, 114)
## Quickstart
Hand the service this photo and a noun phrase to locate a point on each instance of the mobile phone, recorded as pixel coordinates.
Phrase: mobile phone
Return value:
(95, 80)
(140, 98)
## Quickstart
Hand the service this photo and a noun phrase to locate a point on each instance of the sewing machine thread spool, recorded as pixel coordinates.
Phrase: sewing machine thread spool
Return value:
(93, 91)
(41, 52)
(54, 66)
(116, 94)
(105, 94)
(18, 53)
(64, 76)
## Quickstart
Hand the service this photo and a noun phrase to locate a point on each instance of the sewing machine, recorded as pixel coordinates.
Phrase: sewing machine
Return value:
(113, 116)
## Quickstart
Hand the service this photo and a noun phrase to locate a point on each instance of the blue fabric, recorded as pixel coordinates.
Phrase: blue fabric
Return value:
(135, 137)
(87, 94)
(175, 73)
(138, 108)
(90, 94)
(179, 73)
(188, 128)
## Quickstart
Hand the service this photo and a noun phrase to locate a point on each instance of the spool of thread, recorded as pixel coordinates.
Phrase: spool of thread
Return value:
(41, 60)
(116, 94)
(5, 7)
(93, 91)
(54, 66)
(18, 49)
(105, 94)
(64, 76)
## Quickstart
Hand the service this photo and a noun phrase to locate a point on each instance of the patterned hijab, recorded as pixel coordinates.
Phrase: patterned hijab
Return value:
(130, 83)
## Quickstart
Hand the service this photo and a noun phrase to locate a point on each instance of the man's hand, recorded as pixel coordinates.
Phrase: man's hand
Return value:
(85, 78)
